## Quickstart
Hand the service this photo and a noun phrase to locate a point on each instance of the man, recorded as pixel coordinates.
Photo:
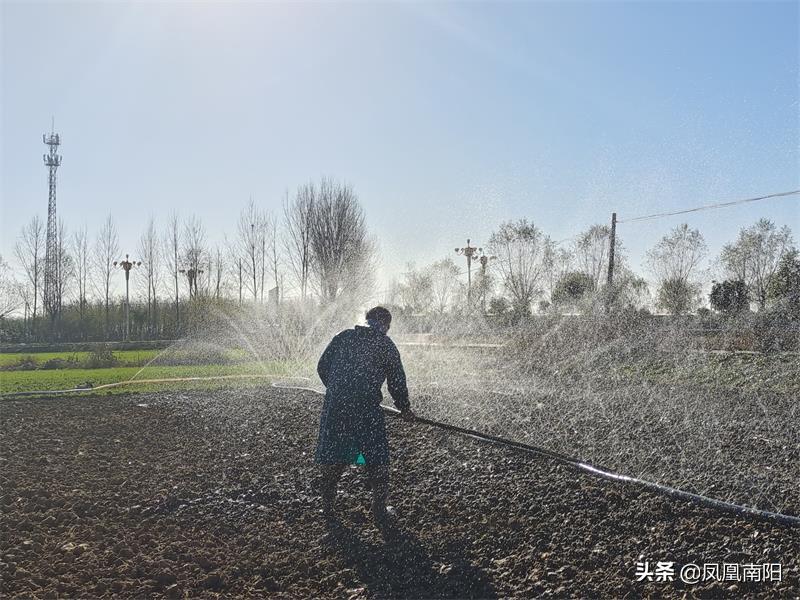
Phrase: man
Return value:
(352, 431)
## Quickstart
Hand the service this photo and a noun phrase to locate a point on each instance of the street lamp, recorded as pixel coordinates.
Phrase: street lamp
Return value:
(469, 252)
(126, 265)
(191, 275)
(484, 260)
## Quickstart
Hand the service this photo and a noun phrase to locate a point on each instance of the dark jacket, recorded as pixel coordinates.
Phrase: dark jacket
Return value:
(353, 368)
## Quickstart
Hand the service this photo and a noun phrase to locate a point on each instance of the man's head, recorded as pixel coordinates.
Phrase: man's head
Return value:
(379, 318)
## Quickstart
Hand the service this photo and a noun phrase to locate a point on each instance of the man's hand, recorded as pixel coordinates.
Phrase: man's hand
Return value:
(407, 415)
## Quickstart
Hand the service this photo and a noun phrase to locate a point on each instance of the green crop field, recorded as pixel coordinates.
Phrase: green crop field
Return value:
(58, 379)
(779, 372)
(129, 357)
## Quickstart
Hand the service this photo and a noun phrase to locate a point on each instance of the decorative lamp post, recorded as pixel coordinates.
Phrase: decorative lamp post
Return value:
(469, 252)
(484, 260)
(126, 265)
(191, 275)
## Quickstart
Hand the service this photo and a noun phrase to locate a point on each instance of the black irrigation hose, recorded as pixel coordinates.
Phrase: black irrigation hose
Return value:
(721, 505)
(602, 473)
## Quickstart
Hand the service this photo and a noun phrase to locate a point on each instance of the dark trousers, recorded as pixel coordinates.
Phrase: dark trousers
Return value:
(377, 480)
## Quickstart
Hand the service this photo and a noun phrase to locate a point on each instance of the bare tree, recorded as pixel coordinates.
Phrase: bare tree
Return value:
(756, 255)
(250, 248)
(274, 257)
(341, 249)
(674, 260)
(80, 253)
(591, 252)
(297, 239)
(557, 263)
(219, 274)
(194, 252)
(416, 290)
(106, 249)
(150, 255)
(171, 249)
(678, 254)
(65, 268)
(391, 295)
(444, 283)
(262, 255)
(734, 258)
(29, 251)
(216, 272)
(10, 298)
(520, 250)
(233, 264)
(268, 253)
(24, 292)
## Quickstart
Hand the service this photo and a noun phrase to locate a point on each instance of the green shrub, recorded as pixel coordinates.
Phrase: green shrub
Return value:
(677, 296)
(101, 357)
(730, 296)
(775, 330)
(577, 344)
(572, 288)
(199, 354)
(784, 285)
(54, 364)
(25, 363)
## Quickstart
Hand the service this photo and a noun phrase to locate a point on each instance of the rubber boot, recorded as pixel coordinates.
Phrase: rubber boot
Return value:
(328, 484)
(379, 482)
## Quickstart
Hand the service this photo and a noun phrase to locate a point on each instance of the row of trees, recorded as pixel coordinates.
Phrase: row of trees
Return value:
(760, 265)
(319, 246)
(757, 268)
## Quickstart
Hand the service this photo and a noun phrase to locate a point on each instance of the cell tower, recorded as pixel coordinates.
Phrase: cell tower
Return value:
(52, 160)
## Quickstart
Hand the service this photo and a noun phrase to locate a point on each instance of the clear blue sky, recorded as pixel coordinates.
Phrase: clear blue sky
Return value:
(447, 118)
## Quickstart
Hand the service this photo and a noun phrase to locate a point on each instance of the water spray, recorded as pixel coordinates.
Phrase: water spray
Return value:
(584, 467)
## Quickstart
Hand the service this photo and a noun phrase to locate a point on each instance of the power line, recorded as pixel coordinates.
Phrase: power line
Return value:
(707, 207)
(616, 221)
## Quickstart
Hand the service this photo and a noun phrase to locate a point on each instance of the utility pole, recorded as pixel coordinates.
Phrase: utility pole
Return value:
(612, 240)
(240, 281)
(52, 160)
(209, 276)
(126, 265)
(611, 244)
(469, 252)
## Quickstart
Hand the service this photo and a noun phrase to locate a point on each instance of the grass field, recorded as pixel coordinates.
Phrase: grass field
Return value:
(779, 372)
(128, 357)
(58, 379)
(47, 371)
